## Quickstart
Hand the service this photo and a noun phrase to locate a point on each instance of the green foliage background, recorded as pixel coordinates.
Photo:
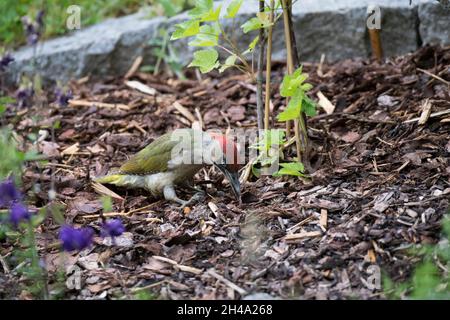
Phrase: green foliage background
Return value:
(92, 11)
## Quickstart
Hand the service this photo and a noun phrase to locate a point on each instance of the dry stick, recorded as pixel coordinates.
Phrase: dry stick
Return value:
(269, 67)
(290, 67)
(259, 78)
(375, 42)
(434, 76)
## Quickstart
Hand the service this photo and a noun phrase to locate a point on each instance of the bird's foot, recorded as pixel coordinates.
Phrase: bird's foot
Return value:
(197, 197)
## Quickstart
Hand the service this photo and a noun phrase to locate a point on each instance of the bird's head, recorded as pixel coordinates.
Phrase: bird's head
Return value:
(227, 161)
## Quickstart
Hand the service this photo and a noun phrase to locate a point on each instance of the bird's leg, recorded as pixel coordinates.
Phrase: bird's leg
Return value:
(170, 195)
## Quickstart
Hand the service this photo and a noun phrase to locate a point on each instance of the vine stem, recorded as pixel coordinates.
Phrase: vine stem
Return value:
(290, 69)
(269, 66)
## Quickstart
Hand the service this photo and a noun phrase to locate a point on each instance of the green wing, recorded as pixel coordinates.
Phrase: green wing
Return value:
(152, 158)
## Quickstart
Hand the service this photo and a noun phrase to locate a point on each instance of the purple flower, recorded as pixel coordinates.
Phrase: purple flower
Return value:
(32, 29)
(18, 213)
(75, 239)
(23, 96)
(63, 97)
(112, 228)
(8, 193)
(5, 61)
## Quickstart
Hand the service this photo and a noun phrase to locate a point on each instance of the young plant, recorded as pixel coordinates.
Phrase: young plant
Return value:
(166, 55)
(205, 25)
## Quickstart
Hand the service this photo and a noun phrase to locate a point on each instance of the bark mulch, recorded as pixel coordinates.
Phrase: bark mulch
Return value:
(380, 185)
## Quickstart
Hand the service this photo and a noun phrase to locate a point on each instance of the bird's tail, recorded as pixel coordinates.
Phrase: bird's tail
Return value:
(115, 179)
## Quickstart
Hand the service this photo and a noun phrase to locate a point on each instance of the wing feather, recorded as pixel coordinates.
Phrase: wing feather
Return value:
(152, 158)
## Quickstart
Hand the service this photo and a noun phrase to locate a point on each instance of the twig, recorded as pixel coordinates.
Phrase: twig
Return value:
(434, 76)
(84, 103)
(433, 115)
(136, 64)
(230, 284)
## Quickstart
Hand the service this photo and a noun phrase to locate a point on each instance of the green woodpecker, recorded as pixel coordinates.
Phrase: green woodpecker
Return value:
(174, 159)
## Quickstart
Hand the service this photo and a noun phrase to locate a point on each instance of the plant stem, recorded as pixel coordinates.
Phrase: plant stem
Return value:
(259, 78)
(290, 68)
(236, 50)
(303, 123)
(375, 42)
(163, 51)
(269, 67)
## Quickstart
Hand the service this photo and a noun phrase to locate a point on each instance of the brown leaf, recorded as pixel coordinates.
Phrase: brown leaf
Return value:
(351, 137)
(236, 113)
(87, 206)
(49, 148)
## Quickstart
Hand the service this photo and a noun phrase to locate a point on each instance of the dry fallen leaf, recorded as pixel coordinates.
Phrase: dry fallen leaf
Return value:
(71, 150)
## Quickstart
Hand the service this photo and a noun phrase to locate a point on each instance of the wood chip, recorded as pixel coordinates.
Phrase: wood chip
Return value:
(141, 87)
(85, 103)
(325, 103)
(433, 115)
(302, 235)
(184, 111)
(214, 208)
(323, 218)
(426, 111)
(73, 149)
(189, 269)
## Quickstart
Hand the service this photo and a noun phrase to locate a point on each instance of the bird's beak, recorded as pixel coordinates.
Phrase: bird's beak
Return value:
(233, 178)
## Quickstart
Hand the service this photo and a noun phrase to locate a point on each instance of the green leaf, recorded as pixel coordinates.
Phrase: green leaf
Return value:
(4, 101)
(7, 100)
(256, 171)
(306, 87)
(212, 15)
(251, 46)
(291, 169)
(106, 203)
(309, 106)
(57, 211)
(233, 8)
(206, 60)
(202, 7)
(291, 83)
(229, 62)
(261, 21)
(170, 8)
(425, 281)
(204, 11)
(294, 108)
(270, 137)
(186, 29)
(207, 37)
